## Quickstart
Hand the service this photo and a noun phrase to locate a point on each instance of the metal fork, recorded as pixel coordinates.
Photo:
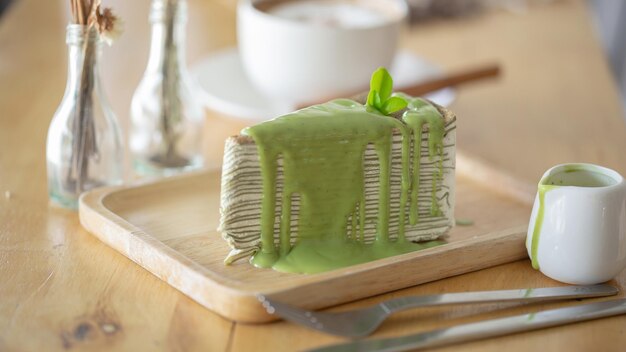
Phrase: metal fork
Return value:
(362, 322)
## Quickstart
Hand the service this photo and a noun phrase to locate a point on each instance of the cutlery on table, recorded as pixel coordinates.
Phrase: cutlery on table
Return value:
(362, 322)
(485, 329)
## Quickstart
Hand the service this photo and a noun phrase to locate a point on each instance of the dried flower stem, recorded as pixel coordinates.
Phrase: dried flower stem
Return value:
(84, 147)
(84, 143)
(171, 106)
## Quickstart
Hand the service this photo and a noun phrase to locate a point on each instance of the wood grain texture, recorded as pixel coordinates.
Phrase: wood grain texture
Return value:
(170, 228)
(554, 102)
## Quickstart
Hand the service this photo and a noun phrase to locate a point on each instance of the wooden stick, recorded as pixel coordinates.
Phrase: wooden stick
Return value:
(80, 19)
(465, 76)
(74, 10)
(452, 80)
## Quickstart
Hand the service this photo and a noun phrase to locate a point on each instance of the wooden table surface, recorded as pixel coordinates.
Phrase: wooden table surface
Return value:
(61, 289)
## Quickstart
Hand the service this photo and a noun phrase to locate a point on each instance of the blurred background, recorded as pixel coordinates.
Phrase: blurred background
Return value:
(609, 19)
(452, 34)
(610, 22)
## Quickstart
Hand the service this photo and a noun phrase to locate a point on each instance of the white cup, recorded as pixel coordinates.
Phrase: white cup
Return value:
(297, 61)
(577, 229)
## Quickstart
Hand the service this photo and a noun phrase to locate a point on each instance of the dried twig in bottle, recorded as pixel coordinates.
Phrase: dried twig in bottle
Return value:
(171, 106)
(84, 147)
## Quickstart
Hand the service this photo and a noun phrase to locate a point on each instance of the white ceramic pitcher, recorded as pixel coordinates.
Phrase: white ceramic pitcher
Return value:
(577, 229)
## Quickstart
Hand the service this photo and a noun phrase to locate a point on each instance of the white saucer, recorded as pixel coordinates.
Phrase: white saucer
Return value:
(226, 89)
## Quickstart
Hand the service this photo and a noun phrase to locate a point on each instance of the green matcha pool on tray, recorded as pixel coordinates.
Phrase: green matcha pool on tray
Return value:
(340, 183)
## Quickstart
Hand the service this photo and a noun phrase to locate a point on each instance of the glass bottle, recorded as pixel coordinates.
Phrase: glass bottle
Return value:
(167, 117)
(84, 145)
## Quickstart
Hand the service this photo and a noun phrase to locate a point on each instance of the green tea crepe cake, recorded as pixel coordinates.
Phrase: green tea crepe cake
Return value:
(340, 183)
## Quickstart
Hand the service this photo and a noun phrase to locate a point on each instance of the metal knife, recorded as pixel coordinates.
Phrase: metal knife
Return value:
(485, 329)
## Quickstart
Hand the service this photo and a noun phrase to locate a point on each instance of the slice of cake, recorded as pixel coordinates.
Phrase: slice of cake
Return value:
(340, 183)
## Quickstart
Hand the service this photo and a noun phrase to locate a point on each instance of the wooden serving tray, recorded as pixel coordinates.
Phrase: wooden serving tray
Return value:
(169, 228)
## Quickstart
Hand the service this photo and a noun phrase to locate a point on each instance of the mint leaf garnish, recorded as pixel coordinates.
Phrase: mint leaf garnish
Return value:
(394, 104)
(379, 97)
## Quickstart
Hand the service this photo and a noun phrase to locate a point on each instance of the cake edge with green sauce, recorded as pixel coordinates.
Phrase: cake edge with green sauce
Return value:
(252, 246)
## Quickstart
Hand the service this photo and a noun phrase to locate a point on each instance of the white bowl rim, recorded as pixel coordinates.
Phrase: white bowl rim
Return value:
(402, 7)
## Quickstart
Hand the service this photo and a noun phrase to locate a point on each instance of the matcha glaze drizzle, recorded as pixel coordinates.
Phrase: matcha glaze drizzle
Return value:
(322, 149)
